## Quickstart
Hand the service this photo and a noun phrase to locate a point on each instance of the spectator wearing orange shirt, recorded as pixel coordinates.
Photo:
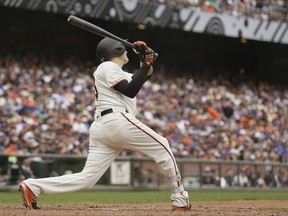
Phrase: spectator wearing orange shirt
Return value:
(11, 149)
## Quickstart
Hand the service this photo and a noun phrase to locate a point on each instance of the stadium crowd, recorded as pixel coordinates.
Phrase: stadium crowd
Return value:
(47, 108)
(259, 9)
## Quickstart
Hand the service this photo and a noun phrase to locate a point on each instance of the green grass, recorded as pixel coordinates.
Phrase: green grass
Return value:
(102, 197)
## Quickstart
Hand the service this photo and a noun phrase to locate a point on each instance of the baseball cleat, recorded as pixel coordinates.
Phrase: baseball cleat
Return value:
(28, 197)
(184, 208)
(180, 201)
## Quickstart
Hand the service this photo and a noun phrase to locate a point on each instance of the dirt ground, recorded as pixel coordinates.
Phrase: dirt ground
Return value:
(233, 208)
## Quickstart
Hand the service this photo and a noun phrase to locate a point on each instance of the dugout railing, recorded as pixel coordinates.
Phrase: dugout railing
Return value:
(131, 172)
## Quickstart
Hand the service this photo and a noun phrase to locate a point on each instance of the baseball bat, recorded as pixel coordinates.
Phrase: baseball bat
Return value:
(80, 23)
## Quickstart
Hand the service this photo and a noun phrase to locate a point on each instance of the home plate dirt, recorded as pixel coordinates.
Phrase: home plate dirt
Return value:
(233, 208)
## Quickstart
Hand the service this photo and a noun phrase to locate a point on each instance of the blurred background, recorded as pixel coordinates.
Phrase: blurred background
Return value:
(219, 92)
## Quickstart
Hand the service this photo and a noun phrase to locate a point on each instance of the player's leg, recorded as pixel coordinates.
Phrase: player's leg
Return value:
(98, 161)
(141, 138)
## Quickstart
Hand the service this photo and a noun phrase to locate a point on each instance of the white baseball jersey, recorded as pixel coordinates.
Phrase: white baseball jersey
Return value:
(107, 75)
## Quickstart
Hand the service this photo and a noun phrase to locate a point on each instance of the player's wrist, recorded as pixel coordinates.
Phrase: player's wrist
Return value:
(150, 72)
(147, 69)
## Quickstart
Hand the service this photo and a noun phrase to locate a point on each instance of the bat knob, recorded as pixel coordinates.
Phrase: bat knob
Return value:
(70, 18)
(155, 55)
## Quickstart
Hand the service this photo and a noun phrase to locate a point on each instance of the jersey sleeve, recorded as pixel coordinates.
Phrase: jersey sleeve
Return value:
(113, 75)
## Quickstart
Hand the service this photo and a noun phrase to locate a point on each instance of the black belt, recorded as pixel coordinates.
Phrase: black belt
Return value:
(105, 112)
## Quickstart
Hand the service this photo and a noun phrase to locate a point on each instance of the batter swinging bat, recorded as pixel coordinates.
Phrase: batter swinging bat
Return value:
(96, 30)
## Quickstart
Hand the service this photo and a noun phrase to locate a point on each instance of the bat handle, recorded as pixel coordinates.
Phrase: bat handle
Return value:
(127, 43)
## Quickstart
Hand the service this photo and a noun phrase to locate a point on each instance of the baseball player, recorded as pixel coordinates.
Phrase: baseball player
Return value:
(115, 127)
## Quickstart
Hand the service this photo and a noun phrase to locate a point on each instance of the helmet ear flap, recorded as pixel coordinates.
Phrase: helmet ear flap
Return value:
(98, 53)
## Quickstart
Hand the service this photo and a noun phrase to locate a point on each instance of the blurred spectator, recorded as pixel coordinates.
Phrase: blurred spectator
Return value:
(209, 176)
(241, 180)
(2, 177)
(11, 148)
(261, 181)
(25, 170)
(227, 179)
(278, 179)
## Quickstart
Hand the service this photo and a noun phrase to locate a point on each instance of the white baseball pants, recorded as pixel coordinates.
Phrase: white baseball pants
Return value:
(108, 136)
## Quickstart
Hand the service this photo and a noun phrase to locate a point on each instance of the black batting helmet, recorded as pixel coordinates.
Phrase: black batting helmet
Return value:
(108, 48)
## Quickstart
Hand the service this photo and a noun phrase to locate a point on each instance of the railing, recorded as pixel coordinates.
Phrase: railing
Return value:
(142, 172)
